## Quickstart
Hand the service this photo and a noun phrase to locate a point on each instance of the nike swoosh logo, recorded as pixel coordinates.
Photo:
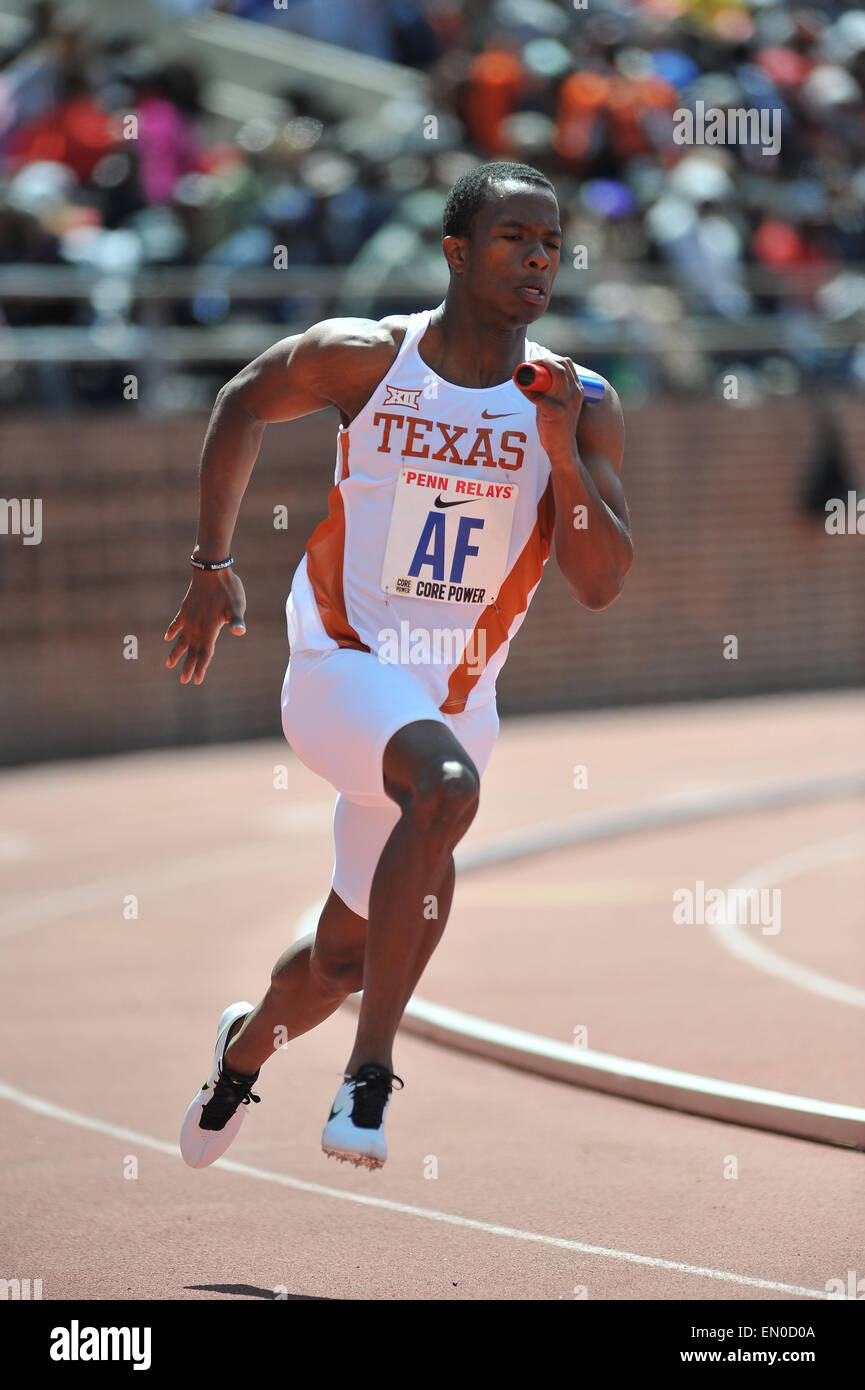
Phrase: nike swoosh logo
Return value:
(333, 1113)
(485, 415)
(461, 503)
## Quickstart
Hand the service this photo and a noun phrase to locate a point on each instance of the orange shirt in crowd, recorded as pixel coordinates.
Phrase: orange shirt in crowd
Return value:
(588, 98)
(495, 85)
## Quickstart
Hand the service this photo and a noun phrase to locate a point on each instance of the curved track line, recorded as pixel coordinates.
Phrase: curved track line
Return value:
(156, 878)
(680, 808)
(733, 937)
(801, 1117)
(146, 1141)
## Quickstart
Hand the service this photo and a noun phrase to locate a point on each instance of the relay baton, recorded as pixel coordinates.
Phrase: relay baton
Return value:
(536, 377)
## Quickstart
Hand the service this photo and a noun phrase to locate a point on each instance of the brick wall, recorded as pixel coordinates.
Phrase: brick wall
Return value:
(723, 546)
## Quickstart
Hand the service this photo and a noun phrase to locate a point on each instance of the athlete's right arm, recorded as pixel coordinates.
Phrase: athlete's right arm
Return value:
(333, 363)
(297, 376)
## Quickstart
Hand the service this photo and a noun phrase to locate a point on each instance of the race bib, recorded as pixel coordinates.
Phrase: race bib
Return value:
(449, 537)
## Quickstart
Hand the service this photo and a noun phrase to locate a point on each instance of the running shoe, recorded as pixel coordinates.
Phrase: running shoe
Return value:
(354, 1132)
(216, 1113)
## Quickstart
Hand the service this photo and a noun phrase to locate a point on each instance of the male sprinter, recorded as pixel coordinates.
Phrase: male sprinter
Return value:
(450, 484)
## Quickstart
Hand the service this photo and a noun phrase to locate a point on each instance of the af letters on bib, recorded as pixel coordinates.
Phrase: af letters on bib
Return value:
(449, 537)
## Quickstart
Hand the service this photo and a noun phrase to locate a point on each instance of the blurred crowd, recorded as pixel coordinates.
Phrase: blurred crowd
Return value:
(110, 160)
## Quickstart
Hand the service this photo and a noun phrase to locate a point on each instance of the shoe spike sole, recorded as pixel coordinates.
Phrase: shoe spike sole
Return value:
(359, 1160)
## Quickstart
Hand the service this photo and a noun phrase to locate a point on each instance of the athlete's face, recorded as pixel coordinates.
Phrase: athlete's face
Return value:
(509, 259)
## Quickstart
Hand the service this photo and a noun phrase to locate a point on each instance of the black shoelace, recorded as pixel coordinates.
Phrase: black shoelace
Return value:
(230, 1091)
(371, 1088)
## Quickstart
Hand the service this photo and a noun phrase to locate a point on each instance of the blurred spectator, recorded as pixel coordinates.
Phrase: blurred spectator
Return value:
(167, 107)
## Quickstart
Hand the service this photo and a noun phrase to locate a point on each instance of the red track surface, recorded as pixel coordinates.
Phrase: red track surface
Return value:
(111, 1020)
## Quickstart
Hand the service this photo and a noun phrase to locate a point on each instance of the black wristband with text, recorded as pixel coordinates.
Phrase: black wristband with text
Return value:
(211, 564)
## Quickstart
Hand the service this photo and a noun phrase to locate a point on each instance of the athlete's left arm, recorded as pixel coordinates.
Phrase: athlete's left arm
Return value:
(593, 530)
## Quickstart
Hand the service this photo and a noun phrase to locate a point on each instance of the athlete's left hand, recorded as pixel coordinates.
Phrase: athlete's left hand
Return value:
(559, 408)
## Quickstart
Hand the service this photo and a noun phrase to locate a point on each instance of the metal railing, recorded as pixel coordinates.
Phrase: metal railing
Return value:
(132, 315)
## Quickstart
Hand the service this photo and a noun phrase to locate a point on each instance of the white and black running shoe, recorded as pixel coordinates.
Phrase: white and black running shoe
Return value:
(216, 1113)
(354, 1132)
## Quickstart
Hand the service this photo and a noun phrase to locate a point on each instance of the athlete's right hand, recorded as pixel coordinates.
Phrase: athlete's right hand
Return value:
(214, 599)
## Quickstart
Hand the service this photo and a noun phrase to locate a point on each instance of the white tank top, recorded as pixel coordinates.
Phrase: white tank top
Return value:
(439, 525)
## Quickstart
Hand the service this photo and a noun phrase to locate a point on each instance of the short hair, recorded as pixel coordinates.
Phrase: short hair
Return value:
(471, 191)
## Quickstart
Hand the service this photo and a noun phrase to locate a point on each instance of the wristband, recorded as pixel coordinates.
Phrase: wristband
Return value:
(211, 564)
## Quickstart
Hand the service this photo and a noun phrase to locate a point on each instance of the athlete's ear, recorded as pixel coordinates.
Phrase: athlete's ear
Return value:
(455, 250)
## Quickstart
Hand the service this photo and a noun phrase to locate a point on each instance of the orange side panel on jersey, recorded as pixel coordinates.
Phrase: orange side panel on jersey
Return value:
(495, 621)
(325, 551)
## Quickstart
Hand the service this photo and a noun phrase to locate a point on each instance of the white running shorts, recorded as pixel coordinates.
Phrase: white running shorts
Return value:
(340, 708)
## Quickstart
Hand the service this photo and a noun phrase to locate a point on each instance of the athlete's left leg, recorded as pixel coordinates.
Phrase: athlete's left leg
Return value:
(315, 975)
(308, 983)
(436, 785)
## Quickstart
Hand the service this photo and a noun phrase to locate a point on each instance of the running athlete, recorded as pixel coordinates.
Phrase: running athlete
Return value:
(450, 484)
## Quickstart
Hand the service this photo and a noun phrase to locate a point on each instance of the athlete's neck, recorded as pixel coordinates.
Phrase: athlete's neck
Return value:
(467, 351)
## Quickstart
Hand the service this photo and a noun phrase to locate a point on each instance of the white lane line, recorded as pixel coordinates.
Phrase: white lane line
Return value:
(131, 1136)
(735, 939)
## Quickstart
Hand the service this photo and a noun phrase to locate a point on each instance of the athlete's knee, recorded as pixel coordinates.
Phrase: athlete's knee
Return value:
(337, 970)
(445, 797)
